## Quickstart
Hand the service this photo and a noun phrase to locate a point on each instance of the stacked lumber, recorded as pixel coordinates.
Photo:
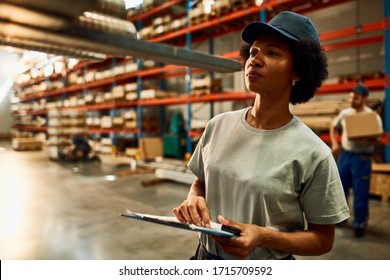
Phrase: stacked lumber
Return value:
(318, 115)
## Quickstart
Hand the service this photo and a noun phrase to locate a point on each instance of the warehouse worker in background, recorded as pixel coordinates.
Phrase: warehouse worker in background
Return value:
(354, 157)
(261, 169)
(78, 150)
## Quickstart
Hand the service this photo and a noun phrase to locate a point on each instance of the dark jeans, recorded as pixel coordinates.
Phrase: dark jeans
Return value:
(355, 172)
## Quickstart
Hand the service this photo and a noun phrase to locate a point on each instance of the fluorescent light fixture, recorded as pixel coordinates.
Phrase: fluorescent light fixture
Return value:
(133, 3)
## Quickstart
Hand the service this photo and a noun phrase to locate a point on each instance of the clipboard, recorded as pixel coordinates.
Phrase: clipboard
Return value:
(171, 221)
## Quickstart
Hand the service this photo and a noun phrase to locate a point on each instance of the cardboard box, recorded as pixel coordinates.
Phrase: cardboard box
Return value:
(362, 125)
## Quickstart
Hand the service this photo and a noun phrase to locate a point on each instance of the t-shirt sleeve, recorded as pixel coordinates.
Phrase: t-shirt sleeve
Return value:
(322, 199)
(337, 121)
(196, 163)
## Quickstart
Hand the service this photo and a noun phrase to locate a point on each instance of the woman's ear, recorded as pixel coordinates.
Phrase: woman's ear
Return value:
(296, 78)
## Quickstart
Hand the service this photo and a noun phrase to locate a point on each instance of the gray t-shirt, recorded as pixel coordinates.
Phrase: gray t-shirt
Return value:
(351, 145)
(272, 178)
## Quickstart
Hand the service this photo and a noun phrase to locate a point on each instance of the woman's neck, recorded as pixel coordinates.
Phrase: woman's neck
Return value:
(264, 115)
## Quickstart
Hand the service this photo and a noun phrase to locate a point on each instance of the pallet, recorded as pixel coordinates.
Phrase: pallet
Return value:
(380, 181)
(27, 149)
(26, 144)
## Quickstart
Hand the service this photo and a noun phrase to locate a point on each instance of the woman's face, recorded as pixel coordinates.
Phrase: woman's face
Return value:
(269, 68)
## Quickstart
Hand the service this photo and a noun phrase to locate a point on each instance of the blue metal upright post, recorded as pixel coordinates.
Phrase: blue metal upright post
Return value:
(263, 15)
(113, 112)
(188, 83)
(139, 88)
(212, 76)
(163, 86)
(387, 75)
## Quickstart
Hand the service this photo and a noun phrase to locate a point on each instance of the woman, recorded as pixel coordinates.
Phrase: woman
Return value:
(261, 167)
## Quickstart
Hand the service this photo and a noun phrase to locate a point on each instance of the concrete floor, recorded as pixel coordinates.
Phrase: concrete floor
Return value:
(55, 211)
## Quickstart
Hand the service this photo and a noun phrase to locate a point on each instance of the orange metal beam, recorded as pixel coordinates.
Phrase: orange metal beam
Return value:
(155, 10)
(346, 87)
(351, 31)
(353, 43)
(220, 20)
(113, 130)
(31, 128)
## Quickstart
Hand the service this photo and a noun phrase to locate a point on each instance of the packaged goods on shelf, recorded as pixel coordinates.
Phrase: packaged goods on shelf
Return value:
(53, 113)
(51, 105)
(54, 122)
(161, 20)
(130, 87)
(161, 29)
(106, 141)
(130, 119)
(131, 67)
(108, 97)
(119, 70)
(72, 78)
(99, 98)
(90, 121)
(89, 98)
(106, 122)
(54, 130)
(117, 122)
(206, 85)
(89, 76)
(147, 64)
(130, 115)
(151, 93)
(147, 32)
(130, 96)
(118, 93)
(96, 122)
(177, 24)
(130, 124)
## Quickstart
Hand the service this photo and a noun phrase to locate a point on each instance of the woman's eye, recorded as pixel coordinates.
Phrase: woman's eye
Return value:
(272, 53)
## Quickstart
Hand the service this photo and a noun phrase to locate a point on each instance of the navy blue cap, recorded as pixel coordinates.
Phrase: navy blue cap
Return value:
(360, 89)
(291, 25)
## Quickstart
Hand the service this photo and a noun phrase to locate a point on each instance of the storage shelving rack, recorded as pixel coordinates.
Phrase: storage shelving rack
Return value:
(236, 20)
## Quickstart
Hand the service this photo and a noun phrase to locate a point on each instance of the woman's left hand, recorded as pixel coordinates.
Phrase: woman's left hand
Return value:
(243, 245)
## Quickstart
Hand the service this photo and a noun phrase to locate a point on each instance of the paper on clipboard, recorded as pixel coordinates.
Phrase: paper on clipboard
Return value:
(174, 222)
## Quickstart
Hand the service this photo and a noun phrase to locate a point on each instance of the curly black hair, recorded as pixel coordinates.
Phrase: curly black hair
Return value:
(310, 65)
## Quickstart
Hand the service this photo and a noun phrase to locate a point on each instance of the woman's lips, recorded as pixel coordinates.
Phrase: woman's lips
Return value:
(254, 75)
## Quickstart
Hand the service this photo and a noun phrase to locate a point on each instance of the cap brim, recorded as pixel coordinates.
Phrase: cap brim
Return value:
(253, 30)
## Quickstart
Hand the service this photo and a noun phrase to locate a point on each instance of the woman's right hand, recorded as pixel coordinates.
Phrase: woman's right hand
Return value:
(193, 210)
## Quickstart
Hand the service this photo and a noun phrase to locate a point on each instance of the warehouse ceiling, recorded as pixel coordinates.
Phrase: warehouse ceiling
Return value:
(81, 30)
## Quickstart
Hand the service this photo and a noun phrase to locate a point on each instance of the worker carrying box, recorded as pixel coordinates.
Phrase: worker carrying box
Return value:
(361, 129)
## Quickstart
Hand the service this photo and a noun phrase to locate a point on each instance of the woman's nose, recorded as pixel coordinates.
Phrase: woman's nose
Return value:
(257, 61)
